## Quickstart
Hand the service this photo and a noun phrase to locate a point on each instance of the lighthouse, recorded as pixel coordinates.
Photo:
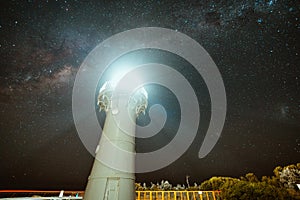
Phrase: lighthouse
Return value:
(112, 176)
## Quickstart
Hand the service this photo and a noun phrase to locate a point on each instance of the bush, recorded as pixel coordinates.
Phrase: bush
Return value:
(281, 186)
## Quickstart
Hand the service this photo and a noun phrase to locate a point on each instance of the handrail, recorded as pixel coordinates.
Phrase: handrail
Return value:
(40, 194)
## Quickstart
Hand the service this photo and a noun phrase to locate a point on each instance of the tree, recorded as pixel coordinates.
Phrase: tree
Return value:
(271, 181)
(251, 178)
(216, 183)
(244, 190)
(290, 176)
(281, 186)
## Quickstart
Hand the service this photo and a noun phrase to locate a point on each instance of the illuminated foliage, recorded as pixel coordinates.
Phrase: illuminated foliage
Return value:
(281, 186)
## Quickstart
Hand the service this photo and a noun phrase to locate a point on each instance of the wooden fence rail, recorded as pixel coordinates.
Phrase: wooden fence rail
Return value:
(177, 195)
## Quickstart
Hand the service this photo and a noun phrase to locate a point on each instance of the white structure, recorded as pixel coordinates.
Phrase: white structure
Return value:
(106, 182)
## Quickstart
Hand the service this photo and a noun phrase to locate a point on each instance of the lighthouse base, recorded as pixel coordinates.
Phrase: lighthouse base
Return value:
(110, 188)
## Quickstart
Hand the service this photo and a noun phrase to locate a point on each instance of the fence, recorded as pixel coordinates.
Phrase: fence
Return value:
(178, 195)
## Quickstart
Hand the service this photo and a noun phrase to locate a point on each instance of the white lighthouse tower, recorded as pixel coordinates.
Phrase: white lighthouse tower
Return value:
(112, 176)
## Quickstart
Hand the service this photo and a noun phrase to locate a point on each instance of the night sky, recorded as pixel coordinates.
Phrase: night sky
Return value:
(255, 45)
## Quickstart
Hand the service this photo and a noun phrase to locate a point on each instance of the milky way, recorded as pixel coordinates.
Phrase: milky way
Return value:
(255, 44)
